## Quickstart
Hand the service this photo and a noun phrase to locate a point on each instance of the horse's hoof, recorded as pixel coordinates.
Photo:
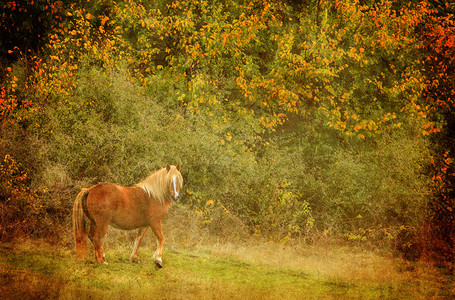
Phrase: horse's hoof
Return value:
(101, 262)
(159, 263)
(134, 260)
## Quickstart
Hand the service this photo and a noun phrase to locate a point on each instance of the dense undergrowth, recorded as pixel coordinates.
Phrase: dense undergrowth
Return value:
(299, 121)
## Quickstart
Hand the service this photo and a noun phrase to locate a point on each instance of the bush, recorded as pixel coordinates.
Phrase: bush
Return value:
(25, 212)
(292, 121)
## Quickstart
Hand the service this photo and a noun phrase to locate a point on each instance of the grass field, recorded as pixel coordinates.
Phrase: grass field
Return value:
(254, 270)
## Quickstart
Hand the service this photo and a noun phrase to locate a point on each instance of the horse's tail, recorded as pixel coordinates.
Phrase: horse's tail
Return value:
(79, 224)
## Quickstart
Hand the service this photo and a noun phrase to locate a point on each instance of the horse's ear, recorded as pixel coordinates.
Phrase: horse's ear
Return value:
(168, 167)
(178, 167)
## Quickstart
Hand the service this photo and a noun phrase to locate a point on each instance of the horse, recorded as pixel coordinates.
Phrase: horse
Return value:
(139, 207)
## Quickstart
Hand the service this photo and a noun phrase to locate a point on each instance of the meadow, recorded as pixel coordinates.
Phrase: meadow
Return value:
(38, 270)
(199, 265)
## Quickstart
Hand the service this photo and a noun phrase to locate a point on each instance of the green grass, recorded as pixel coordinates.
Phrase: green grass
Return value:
(31, 270)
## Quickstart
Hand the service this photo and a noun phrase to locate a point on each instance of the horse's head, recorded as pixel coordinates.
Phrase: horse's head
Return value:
(175, 180)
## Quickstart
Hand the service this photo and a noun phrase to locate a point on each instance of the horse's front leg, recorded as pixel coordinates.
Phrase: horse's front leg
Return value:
(158, 230)
(137, 243)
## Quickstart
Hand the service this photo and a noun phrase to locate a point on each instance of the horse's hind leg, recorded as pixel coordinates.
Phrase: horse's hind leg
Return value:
(96, 235)
(138, 242)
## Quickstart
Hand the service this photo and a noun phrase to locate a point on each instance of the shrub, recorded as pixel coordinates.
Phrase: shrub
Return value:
(23, 211)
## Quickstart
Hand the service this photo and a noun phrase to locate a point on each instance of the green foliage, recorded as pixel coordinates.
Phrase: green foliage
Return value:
(296, 118)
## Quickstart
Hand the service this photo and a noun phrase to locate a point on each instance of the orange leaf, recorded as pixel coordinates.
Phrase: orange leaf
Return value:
(104, 20)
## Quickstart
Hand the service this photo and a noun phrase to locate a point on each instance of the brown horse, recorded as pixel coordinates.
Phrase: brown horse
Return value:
(127, 208)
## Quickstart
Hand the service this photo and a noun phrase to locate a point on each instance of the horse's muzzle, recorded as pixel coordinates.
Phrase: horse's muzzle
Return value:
(175, 197)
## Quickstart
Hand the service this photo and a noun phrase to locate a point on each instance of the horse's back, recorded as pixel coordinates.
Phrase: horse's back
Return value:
(124, 207)
(104, 198)
(104, 191)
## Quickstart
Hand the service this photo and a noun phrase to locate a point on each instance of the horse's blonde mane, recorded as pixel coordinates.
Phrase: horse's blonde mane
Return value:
(157, 184)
